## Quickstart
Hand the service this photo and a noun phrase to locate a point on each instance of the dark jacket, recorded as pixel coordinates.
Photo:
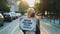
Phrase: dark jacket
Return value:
(38, 27)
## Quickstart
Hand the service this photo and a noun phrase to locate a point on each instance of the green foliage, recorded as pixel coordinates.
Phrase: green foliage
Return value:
(24, 5)
(36, 6)
(4, 6)
(54, 6)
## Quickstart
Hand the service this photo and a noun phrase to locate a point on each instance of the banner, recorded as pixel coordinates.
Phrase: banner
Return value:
(28, 24)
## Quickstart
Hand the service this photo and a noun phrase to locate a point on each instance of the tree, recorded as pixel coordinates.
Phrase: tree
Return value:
(24, 5)
(4, 6)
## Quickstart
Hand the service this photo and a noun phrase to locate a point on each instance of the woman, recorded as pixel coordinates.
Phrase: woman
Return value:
(31, 14)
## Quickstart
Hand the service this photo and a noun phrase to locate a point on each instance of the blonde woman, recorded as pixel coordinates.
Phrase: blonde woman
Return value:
(31, 14)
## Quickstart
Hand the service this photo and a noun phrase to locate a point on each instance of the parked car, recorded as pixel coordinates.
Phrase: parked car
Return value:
(1, 20)
(7, 17)
(13, 15)
(18, 15)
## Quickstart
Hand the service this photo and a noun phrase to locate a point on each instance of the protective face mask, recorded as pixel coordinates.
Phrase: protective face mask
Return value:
(33, 15)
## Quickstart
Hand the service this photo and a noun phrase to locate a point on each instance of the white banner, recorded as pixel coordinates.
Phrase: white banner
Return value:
(28, 24)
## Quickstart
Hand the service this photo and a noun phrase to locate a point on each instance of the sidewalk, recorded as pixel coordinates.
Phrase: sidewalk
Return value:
(52, 22)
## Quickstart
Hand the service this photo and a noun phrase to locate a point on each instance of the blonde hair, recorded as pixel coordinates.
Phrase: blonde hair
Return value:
(30, 11)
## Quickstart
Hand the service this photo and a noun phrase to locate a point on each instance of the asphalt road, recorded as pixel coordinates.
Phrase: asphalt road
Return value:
(45, 26)
(5, 24)
(49, 28)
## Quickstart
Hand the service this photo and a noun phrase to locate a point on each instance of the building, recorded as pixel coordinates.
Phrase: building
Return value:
(13, 5)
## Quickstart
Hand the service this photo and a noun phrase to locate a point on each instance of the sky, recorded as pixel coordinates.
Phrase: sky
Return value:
(30, 2)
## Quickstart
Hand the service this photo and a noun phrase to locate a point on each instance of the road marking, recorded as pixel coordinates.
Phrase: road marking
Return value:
(7, 26)
(14, 29)
(43, 30)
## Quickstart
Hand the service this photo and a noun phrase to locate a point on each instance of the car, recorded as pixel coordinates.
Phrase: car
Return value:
(7, 17)
(18, 15)
(13, 15)
(1, 20)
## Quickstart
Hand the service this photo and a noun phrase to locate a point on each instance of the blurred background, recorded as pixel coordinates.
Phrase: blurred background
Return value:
(48, 12)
